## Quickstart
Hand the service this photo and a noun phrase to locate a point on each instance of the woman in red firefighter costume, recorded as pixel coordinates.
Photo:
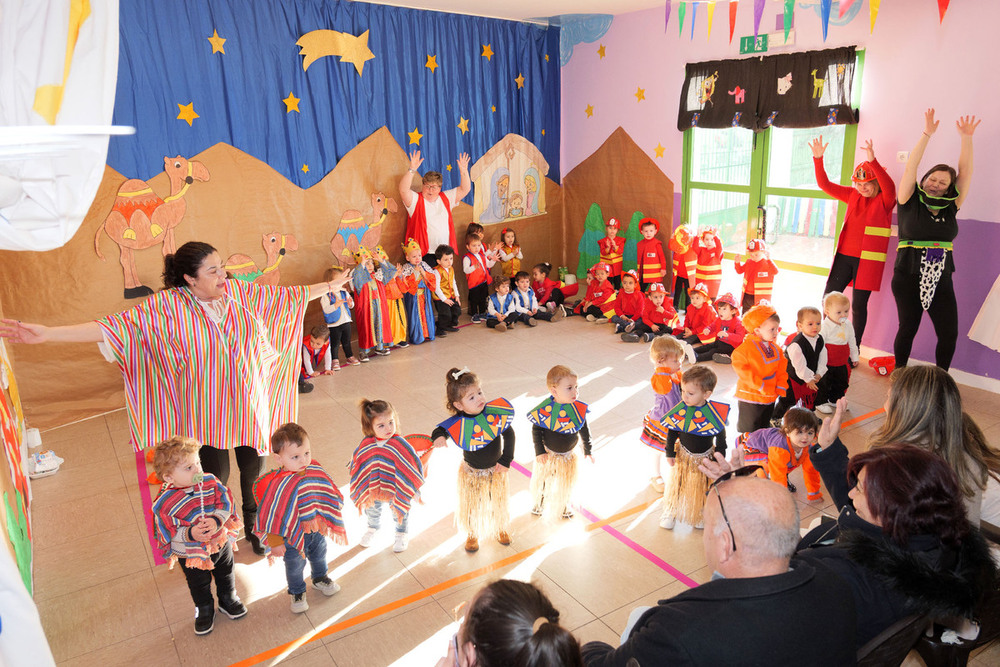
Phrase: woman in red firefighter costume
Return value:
(863, 241)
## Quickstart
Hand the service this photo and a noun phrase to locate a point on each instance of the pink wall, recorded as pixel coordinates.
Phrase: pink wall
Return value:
(911, 63)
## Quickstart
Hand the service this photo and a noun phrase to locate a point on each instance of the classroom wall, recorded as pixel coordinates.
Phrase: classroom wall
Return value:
(912, 62)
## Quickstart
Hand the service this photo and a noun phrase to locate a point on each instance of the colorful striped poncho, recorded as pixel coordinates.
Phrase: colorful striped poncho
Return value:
(388, 471)
(175, 511)
(291, 504)
(224, 386)
(474, 433)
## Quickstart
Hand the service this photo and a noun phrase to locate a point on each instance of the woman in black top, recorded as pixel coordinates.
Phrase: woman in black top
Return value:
(927, 218)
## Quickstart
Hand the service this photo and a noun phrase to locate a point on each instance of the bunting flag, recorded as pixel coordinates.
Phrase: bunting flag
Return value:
(844, 6)
(825, 6)
(694, 13)
(733, 6)
(681, 11)
(873, 12)
(758, 12)
(666, 16)
(942, 8)
(711, 15)
(789, 13)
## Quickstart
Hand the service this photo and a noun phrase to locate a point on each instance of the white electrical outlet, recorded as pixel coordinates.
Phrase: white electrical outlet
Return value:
(902, 156)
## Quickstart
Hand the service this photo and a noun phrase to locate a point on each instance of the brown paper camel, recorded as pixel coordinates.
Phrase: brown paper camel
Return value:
(352, 233)
(275, 245)
(139, 219)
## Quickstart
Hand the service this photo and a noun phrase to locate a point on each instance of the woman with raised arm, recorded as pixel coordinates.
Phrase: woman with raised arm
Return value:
(927, 218)
(864, 238)
(205, 358)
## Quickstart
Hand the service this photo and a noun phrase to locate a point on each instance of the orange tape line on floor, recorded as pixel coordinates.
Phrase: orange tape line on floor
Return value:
(862, 418)
(409, 599)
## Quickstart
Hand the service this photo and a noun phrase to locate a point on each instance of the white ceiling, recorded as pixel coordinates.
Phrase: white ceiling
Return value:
(527, 9)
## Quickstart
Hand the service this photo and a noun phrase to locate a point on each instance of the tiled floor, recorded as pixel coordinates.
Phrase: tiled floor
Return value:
(102, 602)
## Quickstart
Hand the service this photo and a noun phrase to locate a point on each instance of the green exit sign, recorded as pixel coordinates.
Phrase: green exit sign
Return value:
(750, 44)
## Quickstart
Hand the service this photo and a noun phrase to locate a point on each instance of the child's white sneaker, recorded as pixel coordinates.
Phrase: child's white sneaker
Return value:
(689, 352)
(299, 604)
(599, 320)
(402, 541)
(43, 464)
(326, 585)
(590, 318)
(827, 408)
(366, 539)
(667, 521)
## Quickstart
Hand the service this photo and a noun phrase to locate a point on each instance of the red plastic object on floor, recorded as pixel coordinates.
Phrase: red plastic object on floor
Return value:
(883, 365)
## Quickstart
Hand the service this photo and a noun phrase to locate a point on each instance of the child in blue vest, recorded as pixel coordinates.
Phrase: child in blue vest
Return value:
(337, 308)
(501, 312)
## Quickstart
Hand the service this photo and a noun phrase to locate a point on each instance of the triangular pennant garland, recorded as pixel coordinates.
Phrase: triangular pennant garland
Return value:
(733, 6)
(758, 11)
(942, 8)
(789, 13)
(694, 13)
(844, 6)
(824, 6)
(711, 15)
(666, 16)
(873, 12)
(681, 11)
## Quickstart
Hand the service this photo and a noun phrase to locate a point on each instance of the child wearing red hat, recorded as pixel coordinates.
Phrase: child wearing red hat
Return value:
(600, 295)
(729, 332)
(613, 252)
(708, 250)
(699, 318)
(628, 304)
(652, 261)
(685, 264)
(658, 317)
(760, 369)
(758, 274)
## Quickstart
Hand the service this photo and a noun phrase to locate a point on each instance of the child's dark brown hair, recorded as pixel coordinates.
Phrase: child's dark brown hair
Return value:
(457, 383)
(288, 434)
(797, 419)
(372, 409)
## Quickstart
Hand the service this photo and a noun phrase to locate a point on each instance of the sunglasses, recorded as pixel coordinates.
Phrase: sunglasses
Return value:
(745, 471)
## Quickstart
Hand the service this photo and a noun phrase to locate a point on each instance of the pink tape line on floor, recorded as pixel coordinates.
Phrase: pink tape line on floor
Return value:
(147, 506)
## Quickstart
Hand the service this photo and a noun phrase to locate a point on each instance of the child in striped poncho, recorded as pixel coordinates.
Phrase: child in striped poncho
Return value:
(298, 507)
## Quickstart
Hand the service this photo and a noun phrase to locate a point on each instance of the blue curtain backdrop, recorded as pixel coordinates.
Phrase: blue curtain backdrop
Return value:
(166, 60)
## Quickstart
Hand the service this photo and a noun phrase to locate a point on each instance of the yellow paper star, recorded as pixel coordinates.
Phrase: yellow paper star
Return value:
(217, 42)
(493, 108)
(600, 51)
(589, 110)
(432, 63)
(186, 112)
(640, 94)
(463, 124)
(305, 169)
(448, 168)
(291, 103)
(659, 150)
(520, 80)
(543, 131)
(546, 57)
(415, 136)
(488, 52)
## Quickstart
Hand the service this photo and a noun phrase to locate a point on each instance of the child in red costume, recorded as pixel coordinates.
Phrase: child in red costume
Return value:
(628, 304)
(760, 368)
(600, 294)
(550, 293)
(699, 318)
(685, 262)
(477, 264)
(658, 317)
(758, 274)
(708, 270)
(729, 332)
(612, 252)
(652, 261)
(782, 450)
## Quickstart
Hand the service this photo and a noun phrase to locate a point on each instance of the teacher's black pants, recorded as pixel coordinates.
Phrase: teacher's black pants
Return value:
(943, 313)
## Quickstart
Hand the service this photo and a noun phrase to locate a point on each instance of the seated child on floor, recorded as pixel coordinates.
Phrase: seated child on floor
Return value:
(806, 354)
(729, 332)
(194, 525)
(600, 295)
(658, 317)
(841, 351)
(699, 318)
(782, 450)
(298, 507)
(526, 303)
(501, 307)
(628, 304)
(315, 351)
(385, 470)
(557, 423)
(337, 307)
(549, 293)
(447, 300)
(696, 430)
(760, 369)
(666, 355)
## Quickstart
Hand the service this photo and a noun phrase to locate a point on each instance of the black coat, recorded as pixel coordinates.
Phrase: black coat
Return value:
(802, 617)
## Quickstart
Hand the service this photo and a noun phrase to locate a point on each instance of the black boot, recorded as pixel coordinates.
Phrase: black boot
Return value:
(248, 520)
(204, 619)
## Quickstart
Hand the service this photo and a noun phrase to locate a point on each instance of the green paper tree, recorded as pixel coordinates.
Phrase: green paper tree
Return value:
(632, 237)
(17, 533)
(593, 232)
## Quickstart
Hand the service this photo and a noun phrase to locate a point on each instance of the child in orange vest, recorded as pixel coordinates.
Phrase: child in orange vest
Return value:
(652, 261)
(758, 274)
(510, 253)
(612, 252)
(760, 369)
(447, 300)
(685, 263)
(477, 264)
(699, 318)
(782, 450)
(708, 270)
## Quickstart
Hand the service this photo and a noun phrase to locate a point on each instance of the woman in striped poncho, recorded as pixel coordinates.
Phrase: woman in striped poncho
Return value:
(206, 357)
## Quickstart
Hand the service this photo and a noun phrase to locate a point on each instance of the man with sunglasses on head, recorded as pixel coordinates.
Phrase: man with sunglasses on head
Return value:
(759, 608)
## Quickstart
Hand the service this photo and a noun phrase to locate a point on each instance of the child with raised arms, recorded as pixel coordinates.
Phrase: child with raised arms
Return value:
(299, 506)
(696, 430)
(194, 525)
(708, 250)
(483, 431)
(385, 470)
(758, 274)
(557, 423)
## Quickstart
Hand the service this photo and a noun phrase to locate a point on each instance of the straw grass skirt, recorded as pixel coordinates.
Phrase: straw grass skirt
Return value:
(483, 501)
(553, 478)
(684, 496)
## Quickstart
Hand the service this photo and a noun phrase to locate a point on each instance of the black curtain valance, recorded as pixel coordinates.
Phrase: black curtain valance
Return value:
(806, 89)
